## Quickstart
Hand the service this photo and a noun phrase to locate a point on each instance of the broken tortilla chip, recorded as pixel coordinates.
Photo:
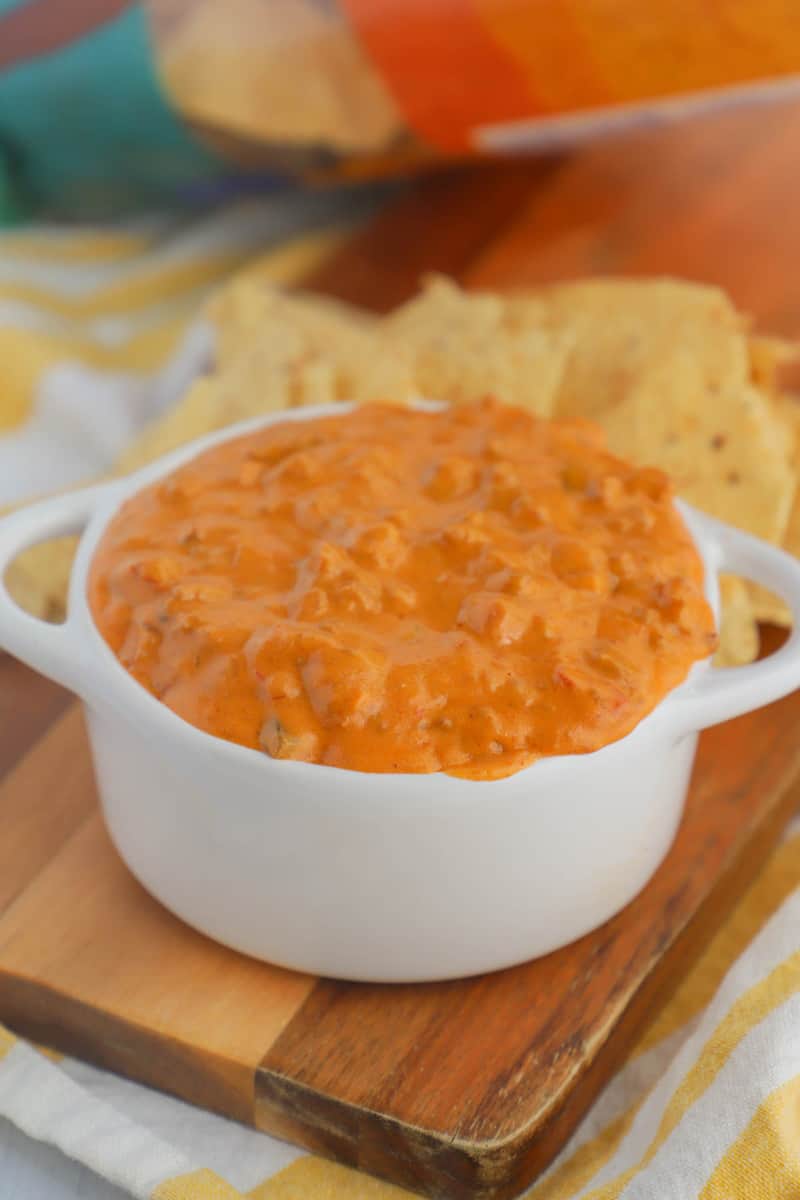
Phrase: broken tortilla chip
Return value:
(457, 346)
(738, 632)
(665, 367)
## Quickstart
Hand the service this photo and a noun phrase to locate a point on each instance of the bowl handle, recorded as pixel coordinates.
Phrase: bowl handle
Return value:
(722, 693)
(55, 650)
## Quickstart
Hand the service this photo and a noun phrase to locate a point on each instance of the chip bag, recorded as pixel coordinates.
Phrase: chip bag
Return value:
(104, 106)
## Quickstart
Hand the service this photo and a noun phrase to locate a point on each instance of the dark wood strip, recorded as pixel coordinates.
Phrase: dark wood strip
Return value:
(29, 704)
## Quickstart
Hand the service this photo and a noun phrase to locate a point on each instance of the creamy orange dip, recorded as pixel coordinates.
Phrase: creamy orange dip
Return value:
(393, 590)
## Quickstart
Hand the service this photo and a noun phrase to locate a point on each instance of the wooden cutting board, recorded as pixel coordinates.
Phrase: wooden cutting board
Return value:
(463, 1089)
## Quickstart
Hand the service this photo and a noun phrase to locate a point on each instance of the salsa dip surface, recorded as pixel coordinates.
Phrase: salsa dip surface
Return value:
(398, 590)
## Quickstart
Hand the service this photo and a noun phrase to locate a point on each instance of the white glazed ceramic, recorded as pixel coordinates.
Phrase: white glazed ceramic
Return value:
(379, 877)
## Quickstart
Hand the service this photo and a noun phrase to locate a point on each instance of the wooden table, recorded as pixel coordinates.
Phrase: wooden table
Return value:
(713, 199)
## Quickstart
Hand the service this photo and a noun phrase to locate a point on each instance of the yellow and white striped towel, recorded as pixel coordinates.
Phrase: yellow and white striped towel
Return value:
(96, 326)
(95, 338)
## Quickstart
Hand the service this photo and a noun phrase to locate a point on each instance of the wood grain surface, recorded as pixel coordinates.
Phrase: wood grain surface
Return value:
(462, 1089)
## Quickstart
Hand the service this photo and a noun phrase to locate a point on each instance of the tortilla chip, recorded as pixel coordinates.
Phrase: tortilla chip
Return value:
(38, 579)
(448, 344)
(664, 366)
(768, 607)
(738, 635)
(272, 351)
(661, 335)
(726, 457)
(213, 402)
(249, 310)
(285, 73)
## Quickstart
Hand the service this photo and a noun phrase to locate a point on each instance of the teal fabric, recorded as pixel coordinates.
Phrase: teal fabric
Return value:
(87, 131)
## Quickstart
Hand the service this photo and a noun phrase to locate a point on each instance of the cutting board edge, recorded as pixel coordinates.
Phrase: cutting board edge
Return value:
(126, 1048)
(424, 1161)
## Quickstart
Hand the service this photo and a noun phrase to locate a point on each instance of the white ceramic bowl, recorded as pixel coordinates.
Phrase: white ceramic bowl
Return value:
(379, 877)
